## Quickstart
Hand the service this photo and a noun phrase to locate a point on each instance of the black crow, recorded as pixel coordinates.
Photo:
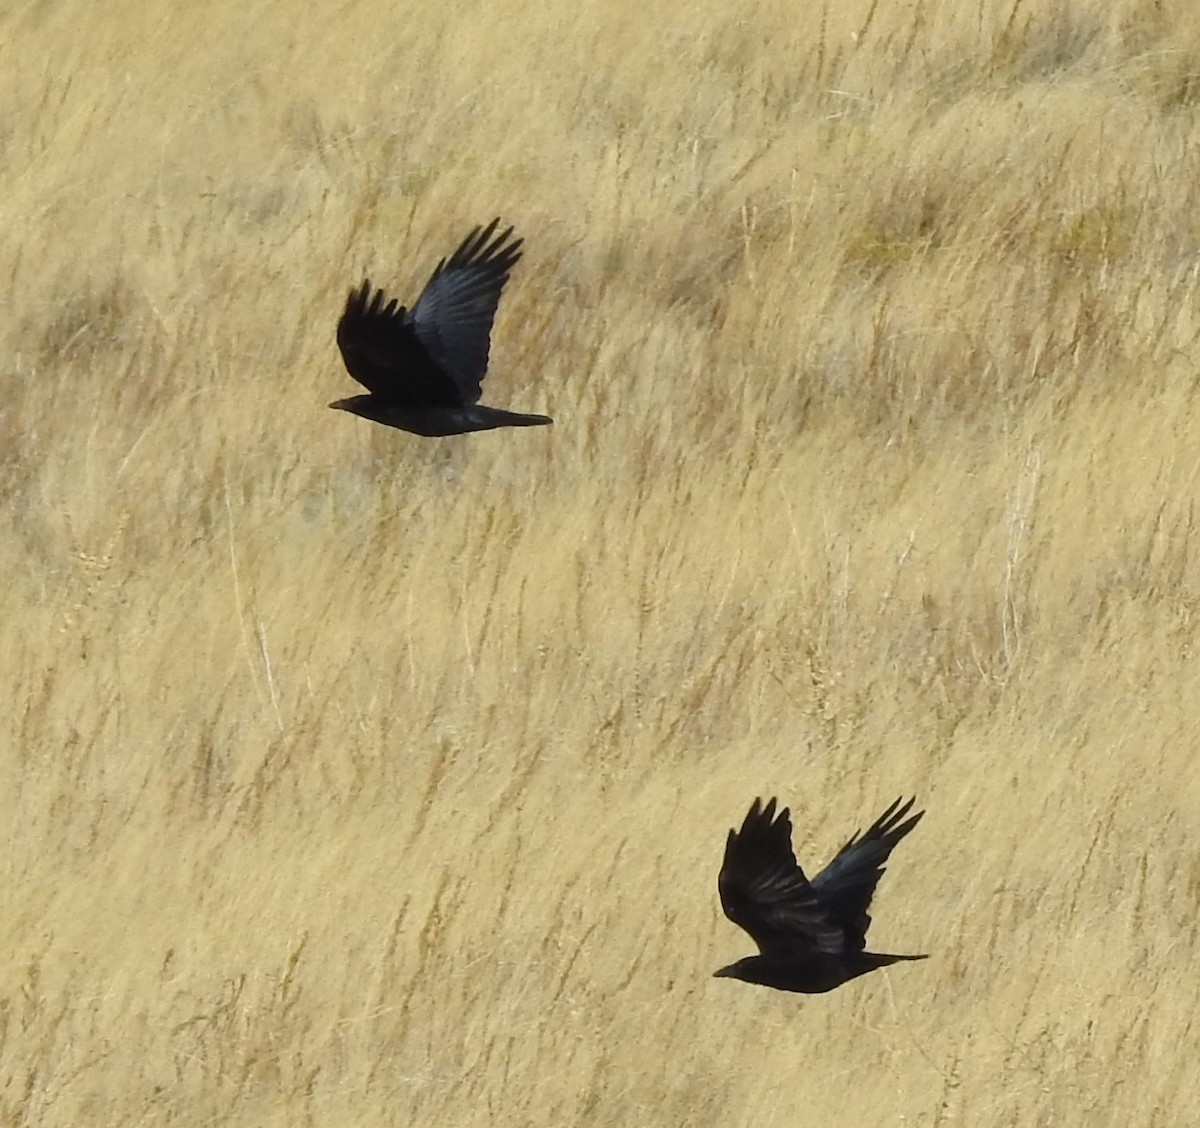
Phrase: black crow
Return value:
(424, 366)
(811, 935)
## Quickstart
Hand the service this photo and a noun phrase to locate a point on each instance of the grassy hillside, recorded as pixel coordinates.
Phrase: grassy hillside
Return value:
(357, 779)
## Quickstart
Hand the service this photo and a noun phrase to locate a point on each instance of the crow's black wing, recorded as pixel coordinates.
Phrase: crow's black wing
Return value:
(382, 353)
(454, 314)
(847, 884)
(764, 890)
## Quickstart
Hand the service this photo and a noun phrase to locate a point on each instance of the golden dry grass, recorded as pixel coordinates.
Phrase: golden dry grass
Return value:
(352, 778)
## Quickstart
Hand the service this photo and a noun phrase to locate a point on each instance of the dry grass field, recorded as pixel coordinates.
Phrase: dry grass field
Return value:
(352, 778)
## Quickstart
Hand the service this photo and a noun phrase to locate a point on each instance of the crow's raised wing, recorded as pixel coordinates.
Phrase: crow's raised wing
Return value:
(453, 316)
(847, 884)
(384, 354)
(764, 891)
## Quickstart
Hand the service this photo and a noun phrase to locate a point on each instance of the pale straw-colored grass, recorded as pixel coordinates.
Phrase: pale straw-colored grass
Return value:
(350, 778)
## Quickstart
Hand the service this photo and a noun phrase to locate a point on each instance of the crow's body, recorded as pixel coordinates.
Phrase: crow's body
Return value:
(811, 935)
(423, 368)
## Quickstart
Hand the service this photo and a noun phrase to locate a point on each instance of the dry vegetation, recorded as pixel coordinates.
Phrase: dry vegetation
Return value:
(355, 779)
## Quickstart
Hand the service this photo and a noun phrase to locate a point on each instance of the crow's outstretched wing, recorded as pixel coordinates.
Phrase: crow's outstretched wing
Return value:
(453, 316)
(845, 886)
(764, 891)
(384, 354)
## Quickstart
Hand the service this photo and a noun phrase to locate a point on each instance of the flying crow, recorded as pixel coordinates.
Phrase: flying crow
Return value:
(424, 366)
(811, 935)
